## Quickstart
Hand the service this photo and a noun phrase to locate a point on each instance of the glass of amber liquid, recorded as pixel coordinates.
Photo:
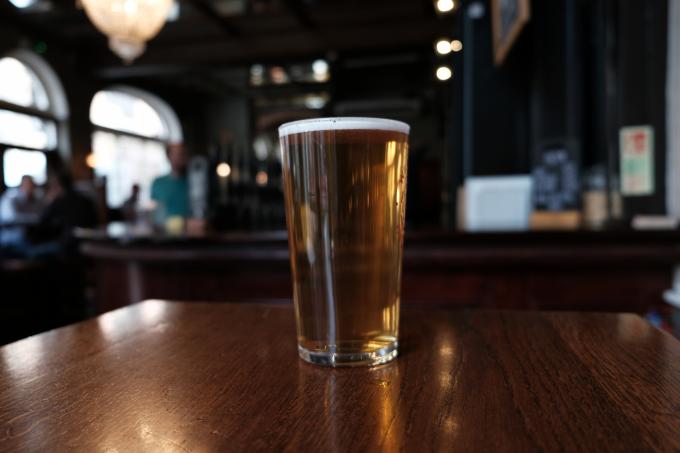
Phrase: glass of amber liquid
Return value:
(345, 192)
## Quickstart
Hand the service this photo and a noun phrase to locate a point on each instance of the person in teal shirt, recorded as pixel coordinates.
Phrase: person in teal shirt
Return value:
(171, 191)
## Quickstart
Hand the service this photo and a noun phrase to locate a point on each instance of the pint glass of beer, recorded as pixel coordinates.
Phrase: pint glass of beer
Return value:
(345, 193)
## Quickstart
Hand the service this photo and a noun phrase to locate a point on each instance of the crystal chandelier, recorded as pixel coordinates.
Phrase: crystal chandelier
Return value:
(129, 24)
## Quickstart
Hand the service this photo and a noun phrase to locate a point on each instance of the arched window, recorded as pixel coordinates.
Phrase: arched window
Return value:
(32, 104)
(132, 130)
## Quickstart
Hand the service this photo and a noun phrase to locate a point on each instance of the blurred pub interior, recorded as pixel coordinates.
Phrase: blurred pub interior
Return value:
(543, 168)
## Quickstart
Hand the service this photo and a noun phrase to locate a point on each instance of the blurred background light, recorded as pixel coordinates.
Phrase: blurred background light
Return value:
(444, 73)
(21, 4)
(443, 47)
(223, 170)
(261, 178)
(445, 6)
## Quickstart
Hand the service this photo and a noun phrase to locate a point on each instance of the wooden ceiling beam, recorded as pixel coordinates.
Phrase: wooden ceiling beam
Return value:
(209, 12)
(22, 22)
(286, 47)
(299, 10)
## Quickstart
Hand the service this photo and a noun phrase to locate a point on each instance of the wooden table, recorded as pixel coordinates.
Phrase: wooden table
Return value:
(163, 376)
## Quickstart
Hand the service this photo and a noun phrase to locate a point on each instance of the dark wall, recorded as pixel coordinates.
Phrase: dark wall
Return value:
(579, 71)
(640, 64)
(533, 97)
(493, 104)
(552, 90)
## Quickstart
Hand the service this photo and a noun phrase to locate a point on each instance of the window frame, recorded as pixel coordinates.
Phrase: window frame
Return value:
(167, 114)
(4, 148)
(42, 114)
(96, 128)
(57, 111)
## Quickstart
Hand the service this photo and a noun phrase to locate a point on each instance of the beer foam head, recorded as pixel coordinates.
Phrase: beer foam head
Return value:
(346, 123)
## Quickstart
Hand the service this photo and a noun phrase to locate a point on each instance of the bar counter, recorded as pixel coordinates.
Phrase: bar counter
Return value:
(167, 376)
(582, 270)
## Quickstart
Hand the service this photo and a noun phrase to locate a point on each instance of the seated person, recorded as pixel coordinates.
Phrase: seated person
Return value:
(67, 210)
(20, 206)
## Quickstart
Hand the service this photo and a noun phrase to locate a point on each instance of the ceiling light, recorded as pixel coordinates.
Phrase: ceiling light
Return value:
(320, 66)
(456, 45)
(320, 69)
(444, 73)
(257, 70)
(21, 4)
(313, 101)
(278, 75)
(129, 24)
(257, 74)
(261, 178)
(261, 147)
(443, 47)
(445, 6)
(91, 160)
(223, 170)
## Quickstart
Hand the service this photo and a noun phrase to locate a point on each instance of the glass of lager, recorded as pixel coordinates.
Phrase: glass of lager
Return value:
(345, 191)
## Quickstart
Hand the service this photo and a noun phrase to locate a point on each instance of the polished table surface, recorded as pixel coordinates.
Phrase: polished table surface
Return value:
(168, 376)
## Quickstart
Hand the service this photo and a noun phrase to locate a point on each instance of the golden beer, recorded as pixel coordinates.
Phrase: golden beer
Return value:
(345, 193)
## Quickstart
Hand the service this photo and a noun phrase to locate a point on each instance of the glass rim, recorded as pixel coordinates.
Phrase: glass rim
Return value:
(343, 123)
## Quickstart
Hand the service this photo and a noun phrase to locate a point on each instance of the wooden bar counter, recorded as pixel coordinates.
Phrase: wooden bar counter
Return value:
(190, 377)
(581, 270)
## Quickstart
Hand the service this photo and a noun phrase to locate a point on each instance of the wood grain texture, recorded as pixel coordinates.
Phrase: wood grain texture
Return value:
(163, 376)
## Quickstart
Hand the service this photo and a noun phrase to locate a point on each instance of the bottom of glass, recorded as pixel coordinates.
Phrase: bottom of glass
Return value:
(346, 359)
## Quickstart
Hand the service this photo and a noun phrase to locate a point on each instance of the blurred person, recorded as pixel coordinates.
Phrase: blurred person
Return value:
(66, 210)
(171, 192)
(22, 206)
(129, 208)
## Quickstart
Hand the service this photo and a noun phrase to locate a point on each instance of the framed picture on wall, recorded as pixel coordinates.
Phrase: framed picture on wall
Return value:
(509, 17)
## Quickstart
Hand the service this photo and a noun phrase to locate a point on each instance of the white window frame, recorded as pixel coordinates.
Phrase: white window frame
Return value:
(171, 125)
(57, 111)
